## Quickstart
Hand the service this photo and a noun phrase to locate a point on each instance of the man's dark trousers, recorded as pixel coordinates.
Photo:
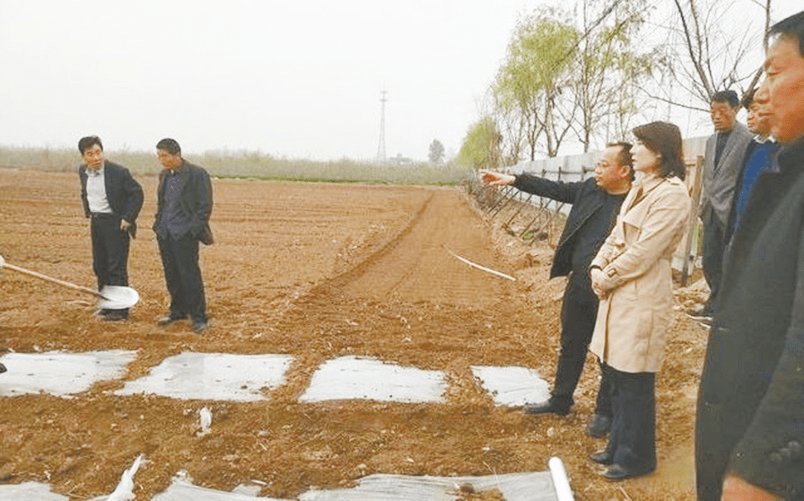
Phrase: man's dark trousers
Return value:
(109, 250)
(183, 277)
(578, 316)
(713, 248)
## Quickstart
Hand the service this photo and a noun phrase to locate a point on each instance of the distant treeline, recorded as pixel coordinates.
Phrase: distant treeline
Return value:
(249, 164)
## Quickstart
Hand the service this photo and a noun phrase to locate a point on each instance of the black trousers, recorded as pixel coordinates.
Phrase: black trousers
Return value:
(110, 247)
(183, 277)
(632, 442)
(712, 249)
(578, 316)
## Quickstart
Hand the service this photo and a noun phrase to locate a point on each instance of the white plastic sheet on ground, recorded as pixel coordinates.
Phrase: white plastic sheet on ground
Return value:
(213, 376)
(381, 487)
(182, 490)
(30, 491)
(356, 378)
(513, 486)
(512, 386)
(60, 373)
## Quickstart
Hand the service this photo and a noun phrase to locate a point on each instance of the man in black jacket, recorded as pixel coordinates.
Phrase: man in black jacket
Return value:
(750, 421)
(595, 204)
(112, 201)
(184, 204)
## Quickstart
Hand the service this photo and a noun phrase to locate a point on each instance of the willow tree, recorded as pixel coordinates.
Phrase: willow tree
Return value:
(480, 145)
(532, 81)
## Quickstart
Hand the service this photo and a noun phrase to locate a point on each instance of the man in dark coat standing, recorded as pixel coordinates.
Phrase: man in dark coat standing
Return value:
(112, 201)
(750, 423)
(595, 204)
(184, 204)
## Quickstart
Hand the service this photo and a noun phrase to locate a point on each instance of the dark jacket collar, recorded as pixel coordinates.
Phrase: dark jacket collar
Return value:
(789, 156)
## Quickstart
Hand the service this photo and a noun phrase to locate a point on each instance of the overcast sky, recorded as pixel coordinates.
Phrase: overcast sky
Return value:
(300, 79)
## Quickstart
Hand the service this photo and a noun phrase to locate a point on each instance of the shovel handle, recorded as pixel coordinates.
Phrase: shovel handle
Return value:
(53, 280)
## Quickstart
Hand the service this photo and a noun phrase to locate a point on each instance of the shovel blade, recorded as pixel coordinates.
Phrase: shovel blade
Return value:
(117, 297)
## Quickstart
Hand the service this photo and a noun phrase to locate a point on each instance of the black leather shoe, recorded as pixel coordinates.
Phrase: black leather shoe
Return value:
(114, 316)
(599, 426)
(545, 408)
(200, 327)
(169, 319)
(617, 473)
(602, 457)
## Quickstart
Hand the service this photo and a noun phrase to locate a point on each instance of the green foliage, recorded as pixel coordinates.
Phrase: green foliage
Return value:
(478, 144)
(538, 55)
(571, 73)
(530, 82)
(248, 164)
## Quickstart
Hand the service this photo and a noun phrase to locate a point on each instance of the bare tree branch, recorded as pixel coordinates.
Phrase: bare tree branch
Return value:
(675, 103)
(691, 44)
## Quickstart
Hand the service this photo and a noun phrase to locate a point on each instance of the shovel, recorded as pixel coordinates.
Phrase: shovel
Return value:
(112, 297)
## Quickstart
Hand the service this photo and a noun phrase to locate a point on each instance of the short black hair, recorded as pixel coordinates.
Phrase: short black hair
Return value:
(726, 96)
(748, 98)
(624, 157)
(169, 145)
(664, 138)
(88, 142)
(792, 27)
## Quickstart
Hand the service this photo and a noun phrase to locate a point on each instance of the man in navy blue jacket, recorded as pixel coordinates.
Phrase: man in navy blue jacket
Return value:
(184, 204)
(595, 204)
(758, 157)
(112, 201)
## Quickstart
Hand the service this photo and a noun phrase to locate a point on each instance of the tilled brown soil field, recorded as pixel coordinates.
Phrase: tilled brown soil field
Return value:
(316, 271)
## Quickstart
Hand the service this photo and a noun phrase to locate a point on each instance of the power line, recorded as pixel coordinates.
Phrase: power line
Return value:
(381, 146)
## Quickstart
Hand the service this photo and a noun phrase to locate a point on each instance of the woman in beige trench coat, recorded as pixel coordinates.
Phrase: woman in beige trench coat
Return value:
(631, 275)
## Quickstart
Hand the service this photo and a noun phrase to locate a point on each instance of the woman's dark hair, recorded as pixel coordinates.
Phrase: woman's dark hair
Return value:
(665, 139)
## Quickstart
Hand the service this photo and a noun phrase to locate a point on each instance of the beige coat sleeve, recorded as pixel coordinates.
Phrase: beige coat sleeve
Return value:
(655, 221)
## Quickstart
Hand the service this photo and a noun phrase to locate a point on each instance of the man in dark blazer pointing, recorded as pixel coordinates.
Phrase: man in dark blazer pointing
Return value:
(595, 204)
(112, 201)
(184, 204)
